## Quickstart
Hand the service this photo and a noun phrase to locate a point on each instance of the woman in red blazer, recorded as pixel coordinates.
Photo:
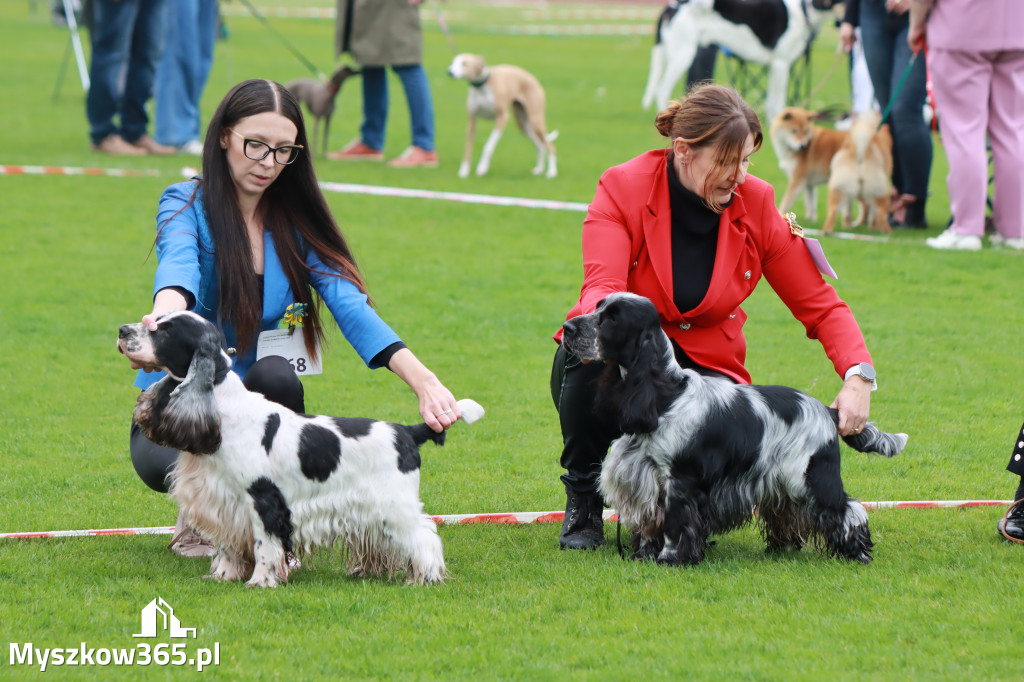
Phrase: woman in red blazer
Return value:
(688, 228)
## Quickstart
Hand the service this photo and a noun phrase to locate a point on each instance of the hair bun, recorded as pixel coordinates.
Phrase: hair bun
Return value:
(663, 122)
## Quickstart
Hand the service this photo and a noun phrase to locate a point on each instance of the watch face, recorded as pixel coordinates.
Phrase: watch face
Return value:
(866, 371)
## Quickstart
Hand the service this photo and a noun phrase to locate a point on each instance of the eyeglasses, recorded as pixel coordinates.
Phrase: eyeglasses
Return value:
(257, 151)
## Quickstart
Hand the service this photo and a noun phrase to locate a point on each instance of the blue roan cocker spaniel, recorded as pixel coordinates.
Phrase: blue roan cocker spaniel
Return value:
(700, 454)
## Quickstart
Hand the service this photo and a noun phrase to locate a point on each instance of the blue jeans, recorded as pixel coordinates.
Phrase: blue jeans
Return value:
(183, 69)
(885, 49)
(375, 105)
(127, 41)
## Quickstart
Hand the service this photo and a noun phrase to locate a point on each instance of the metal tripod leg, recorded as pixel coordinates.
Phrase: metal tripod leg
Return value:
(74, 45)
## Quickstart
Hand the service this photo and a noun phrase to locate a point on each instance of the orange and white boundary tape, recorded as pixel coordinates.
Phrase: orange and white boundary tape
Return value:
(512, 518)
(378, 190)
(76, 170)
(461, 197)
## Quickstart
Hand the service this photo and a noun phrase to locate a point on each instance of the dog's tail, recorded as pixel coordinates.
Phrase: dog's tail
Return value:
(872, 439)
(862, 134)
(421, 433)
(471, 410)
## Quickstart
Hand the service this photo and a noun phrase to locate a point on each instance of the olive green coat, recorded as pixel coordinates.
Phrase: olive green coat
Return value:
(383, 32)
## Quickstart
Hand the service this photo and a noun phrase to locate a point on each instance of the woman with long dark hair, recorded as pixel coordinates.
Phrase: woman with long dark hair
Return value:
(250, 238)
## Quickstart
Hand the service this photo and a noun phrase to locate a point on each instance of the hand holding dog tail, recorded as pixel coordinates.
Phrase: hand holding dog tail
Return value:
(872, 439)
(471, 410)
(421, 433)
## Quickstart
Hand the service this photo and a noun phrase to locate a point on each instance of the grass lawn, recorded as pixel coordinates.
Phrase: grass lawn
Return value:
(476, 291)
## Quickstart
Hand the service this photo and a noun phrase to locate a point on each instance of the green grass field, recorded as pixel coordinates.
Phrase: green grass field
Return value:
(476, 291)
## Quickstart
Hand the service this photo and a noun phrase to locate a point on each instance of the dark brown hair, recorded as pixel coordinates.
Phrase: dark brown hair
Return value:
(712, 116)
(293, 209)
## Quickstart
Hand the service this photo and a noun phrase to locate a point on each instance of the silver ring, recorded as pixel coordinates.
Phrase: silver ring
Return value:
(447, 412)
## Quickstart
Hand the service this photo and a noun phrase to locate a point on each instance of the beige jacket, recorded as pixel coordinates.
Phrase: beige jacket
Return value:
(382, 32)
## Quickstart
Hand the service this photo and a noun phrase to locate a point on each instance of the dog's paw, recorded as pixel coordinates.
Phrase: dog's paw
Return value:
(264, 579)
(464, 170)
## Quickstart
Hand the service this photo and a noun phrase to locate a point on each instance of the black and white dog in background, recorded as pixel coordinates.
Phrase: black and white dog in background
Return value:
(258, 479)
(774, 33)
(699, 454)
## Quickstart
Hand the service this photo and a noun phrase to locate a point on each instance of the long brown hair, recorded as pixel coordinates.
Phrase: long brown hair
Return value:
(293, 209)
(712, 116)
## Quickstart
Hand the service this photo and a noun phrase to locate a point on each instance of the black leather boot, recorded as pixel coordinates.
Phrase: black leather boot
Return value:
(1011, 526)
(583, 527)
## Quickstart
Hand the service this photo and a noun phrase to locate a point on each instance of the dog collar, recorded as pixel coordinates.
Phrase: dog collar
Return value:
(484, 76)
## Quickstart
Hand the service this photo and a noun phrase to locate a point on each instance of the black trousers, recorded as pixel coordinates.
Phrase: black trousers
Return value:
(585, 435)
(1016, 464)
(272, 376)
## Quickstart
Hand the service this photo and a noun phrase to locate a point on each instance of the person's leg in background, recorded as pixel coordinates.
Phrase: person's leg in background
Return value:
(172, 91)
(1006, 135)
(703, 66)
(110, 35)
(912, 138)
(182, 73)
(961, 88)
(369, 145)
(375, 107)
(421, 118)
(147, 46)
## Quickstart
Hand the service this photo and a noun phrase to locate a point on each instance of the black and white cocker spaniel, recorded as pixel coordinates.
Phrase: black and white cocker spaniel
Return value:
(699, 454)
(259, 480)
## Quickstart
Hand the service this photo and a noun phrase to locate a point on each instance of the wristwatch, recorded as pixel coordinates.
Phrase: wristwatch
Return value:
(865, 371)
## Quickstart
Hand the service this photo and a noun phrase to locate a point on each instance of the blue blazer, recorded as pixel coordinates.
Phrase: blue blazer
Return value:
(184, 249)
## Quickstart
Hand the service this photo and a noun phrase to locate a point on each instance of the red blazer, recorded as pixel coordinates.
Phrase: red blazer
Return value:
(627, 246)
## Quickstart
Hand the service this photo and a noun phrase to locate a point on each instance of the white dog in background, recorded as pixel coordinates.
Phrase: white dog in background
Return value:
(493, 93)
(770, 32)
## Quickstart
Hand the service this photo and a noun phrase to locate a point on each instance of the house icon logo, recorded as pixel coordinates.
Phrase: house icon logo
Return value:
(159, 612)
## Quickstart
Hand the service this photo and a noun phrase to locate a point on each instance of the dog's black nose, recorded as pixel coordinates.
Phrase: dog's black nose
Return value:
(124, 332)
(569, 328)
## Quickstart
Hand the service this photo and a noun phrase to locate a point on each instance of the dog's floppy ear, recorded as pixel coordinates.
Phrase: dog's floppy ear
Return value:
(183, 415)
(638, 409)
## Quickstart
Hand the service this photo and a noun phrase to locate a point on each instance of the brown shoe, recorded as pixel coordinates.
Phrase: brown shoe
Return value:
(356, 151)
(115, 144)
(153, 147)
(188, 542)
(415, 157)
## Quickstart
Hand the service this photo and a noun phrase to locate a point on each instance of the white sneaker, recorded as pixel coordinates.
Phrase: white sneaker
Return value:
(951, 241)
(1008, 242)
(193, 147)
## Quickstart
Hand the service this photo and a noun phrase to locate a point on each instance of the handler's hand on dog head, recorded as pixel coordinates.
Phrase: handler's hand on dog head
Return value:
(150, 322)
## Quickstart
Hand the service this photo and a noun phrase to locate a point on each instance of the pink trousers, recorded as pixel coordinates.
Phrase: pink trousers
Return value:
(978, 93)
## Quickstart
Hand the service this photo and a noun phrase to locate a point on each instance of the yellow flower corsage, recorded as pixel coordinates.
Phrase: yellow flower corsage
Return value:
(294, 315)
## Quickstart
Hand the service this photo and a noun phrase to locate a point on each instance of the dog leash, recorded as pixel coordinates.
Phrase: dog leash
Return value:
(814, 90)
(899, 88)
(291, 48)
(444, 28)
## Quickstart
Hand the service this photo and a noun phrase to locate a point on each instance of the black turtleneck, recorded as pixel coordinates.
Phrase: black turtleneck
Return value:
(694, 242)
